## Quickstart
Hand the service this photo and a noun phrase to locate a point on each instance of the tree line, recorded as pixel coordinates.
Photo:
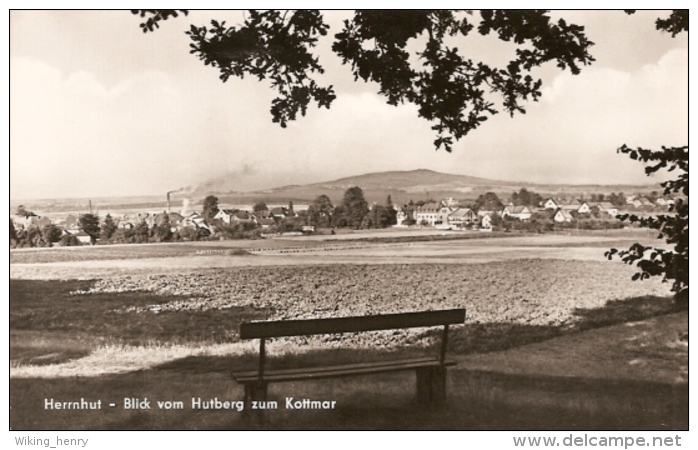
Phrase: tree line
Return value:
(353, 212)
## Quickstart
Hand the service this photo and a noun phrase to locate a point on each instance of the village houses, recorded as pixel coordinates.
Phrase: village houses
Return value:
(444, 214)
(431, 213)
(521, 212)
(562, 215)
(608, 208)
(462, 217)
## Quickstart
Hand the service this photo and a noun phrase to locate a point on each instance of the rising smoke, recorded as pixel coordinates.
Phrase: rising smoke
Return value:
(185, 202)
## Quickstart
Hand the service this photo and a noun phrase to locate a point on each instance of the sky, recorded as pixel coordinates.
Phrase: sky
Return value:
(98, 108)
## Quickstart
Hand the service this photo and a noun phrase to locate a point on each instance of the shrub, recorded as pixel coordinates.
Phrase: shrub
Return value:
(69, 240)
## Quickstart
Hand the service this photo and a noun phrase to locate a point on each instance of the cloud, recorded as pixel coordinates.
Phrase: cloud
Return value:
(572, 134)
(72, 134)
(668, 76)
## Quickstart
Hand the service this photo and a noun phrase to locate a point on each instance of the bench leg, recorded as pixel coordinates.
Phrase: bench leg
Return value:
(254, 392)
(431, 385)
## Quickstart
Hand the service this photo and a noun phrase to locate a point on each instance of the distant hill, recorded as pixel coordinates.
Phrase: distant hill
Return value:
(402, 186)
(420, 184)
(412, 180)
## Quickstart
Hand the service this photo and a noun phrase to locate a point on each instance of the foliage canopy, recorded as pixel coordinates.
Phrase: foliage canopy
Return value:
(210, 208)
(670, 264)
(406, 52)
(89, 223)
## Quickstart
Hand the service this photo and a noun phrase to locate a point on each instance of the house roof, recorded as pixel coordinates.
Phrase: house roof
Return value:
(192, 217)
(243, 215)
(606, 205)
(521, 209)
(431, 206)
(174, 218)
(565, 214)
(78, 233)
(461, 212)
(264, 213)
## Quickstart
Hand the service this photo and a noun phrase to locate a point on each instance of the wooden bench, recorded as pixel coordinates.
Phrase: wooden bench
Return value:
(431, 371)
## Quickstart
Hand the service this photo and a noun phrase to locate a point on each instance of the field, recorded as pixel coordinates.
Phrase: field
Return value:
(161, 321)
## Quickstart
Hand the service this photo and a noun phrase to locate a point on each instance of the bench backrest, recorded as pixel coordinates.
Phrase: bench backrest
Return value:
(254, 330)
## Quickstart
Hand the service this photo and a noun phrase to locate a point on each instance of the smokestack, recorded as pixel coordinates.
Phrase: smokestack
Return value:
(182, 189)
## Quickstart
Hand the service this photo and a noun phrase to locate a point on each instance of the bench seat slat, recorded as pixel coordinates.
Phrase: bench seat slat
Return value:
(339, 370)
(350, 324)
(246, 373)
